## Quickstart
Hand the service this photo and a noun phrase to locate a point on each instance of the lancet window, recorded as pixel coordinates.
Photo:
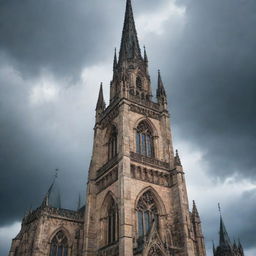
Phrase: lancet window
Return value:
(59, 245)
(138, 83)
(112, 220)
(147, 214)
(144, 140)
(112, 144)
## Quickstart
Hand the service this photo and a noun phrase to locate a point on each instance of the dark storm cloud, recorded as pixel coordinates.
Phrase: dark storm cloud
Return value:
(211, 69)
(61, 35)
(32, 146)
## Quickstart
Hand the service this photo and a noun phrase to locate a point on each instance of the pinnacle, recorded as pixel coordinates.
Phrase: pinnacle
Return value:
(101, 103)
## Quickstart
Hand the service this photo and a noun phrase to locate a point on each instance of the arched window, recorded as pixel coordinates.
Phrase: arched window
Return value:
(59, 245)
(147, 213)
(112, 220)
(138, 83)
(112, 144)
(144, 140)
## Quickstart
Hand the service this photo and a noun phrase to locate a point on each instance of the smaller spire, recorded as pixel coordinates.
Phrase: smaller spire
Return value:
(101, 103)
(52, 197)
(79, 202)
(240, 247)
(160, 92)
(177, 159)
(213, 248)
(235, 245)
(145, 55)
(224, 238)
(115, 61)
(194, 210)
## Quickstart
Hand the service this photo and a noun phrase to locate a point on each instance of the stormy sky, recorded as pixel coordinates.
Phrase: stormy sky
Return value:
(55, 53)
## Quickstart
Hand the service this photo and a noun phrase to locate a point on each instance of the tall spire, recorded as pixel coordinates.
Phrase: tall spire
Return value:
(100, 103)
(130, 48)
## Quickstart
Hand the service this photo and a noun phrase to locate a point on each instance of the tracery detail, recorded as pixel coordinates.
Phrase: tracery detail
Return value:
(144, 140)
(147, 213)
(59, 245)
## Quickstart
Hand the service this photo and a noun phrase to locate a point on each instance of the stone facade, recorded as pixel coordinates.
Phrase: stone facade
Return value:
(136, 201)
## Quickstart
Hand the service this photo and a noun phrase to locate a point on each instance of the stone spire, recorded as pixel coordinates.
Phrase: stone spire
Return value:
(145, 56)
(194, 210)
(115, 62)
(160, 87)
(160, 92)
(240, 248)
(52, 197)
(100, 103)
(130, 48)
(224, 238)
(213, 248)
(177, 159)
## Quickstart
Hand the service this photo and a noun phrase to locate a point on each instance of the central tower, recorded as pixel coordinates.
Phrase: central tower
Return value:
(136, 193)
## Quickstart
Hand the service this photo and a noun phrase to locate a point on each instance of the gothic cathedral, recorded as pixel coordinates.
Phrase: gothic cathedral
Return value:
(136, 201)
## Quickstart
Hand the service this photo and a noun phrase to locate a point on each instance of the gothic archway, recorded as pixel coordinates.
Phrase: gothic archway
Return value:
(147, 213)
(110, 220)
(59, 244)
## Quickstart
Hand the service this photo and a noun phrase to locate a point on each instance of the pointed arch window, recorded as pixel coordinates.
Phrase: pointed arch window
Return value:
(112, 222)
(59, 245)
(144, 140)
(112, 144)
(139, 83)
(147, 214)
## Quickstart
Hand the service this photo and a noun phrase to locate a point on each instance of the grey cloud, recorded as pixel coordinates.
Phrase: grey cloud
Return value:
(210, 78)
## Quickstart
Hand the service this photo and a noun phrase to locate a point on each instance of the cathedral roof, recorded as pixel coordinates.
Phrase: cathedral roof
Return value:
(130, 48)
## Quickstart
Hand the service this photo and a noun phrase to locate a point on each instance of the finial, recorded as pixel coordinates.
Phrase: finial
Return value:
(177, 159)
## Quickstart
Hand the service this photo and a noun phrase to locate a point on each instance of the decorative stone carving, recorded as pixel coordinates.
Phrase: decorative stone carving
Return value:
(151, 176)
(107, 180)
(107, 166)
(149, 161)
(108, 117)
(145, 111)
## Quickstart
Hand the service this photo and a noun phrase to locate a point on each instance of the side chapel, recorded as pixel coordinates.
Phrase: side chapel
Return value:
(136, 201)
